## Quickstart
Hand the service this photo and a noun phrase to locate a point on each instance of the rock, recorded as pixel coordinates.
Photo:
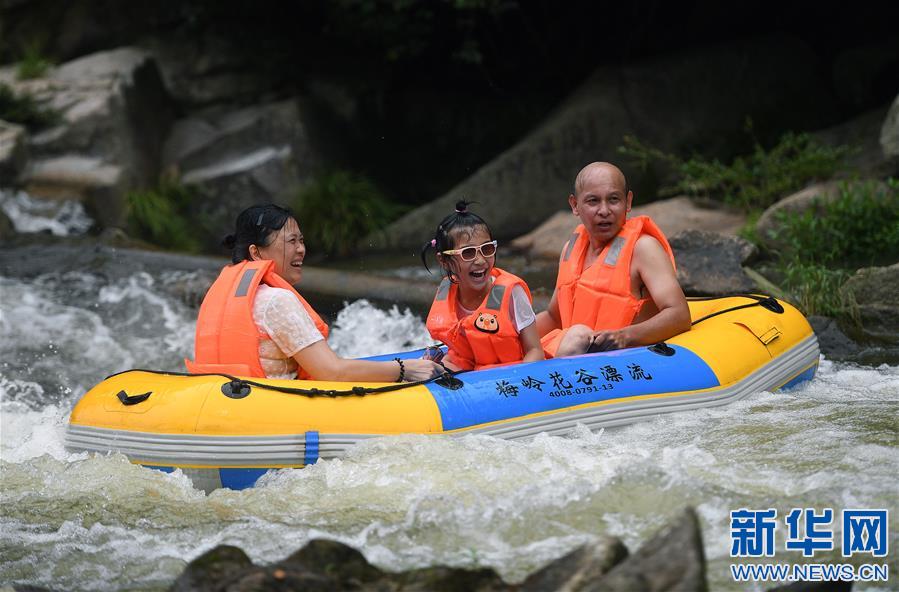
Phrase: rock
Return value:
(874, 290)
(579, 569)
(323, 566)
(98, 185)
(672, 560)
(815, 196)
(677, 103)
(7, 228)
(13, 152)
(711, 264)
(240, 157)
(862, 135)
(213, 570)
(889, 133)
(672, 215)
(834, 344)
(200, 71)
(115, 111)
(332, 557)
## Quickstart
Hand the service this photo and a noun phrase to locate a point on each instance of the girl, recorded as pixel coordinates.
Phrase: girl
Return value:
(482, 313)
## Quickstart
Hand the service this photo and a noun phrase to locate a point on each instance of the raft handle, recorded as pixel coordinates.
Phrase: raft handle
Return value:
(127, 399)
(663, 349)
(236, 389)
(448, 381)
(771, 304)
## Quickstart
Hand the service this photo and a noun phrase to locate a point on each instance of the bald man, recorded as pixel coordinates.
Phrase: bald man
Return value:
(616, 285)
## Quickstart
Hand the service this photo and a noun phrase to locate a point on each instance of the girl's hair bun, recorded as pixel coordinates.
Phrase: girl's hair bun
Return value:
(229, 242)
(462, 206)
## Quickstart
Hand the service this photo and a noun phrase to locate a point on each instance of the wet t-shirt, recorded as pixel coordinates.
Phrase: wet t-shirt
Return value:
(278, 314)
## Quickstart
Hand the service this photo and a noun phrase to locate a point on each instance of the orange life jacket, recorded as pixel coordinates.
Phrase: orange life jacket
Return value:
(489, 332)
(600, 296)
(227, 338)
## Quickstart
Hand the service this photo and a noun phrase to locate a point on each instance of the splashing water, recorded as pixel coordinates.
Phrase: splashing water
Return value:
(82, 522)
(32, 214)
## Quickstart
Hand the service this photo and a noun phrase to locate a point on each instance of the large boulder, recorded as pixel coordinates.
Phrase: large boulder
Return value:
(672, 215)
(711, 264)
(874, 290)
(210, 69)
(114, 111)
(889, 132)
(93, 182)
(692, 100)
(240, 157)
(672, 560)
(580, 569)
(13, 152)
(863, 136)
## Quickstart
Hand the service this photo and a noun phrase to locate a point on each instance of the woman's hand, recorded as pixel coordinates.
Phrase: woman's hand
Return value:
(421, 370)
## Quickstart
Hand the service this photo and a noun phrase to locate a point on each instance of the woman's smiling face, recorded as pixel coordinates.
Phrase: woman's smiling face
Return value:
(287, 250)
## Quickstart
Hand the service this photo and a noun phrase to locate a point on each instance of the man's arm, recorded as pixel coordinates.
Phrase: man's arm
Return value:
(652, 264)
(549, 319)
(660, 279)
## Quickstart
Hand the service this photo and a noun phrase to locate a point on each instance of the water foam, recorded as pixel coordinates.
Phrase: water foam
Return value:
(31, 214)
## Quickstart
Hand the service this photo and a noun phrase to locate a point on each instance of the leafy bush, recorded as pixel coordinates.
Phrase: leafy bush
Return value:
(339, 208)
(750, 182)
(859, 228)
(33, 63)
(161, 216)
(24, 110)
(822, 246)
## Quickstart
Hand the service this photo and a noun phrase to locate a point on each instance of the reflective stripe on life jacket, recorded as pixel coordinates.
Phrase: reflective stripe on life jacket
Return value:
(227, 338)
(489, 332)
(600, 297)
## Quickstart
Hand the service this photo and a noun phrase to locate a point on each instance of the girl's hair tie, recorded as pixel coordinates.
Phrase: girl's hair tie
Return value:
(433, 242)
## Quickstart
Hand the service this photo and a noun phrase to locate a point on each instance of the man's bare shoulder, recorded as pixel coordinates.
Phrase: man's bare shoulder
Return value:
(650, 255)
(648, 246)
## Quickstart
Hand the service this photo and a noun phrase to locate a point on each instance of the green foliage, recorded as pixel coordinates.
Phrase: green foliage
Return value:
(815, 289)
(33, 63)
(161, 216)
(24, 110)
(822, 246)
(859, 228)
(750, 182)
(339, 208)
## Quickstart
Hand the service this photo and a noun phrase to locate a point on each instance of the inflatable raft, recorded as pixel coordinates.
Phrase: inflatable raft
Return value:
(226, 432)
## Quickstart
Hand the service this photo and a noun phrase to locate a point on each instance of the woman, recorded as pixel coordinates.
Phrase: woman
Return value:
(253, 323)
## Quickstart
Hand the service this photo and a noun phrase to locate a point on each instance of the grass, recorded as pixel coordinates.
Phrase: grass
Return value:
(33, 63)
(161, 216)
(24, 110)
(820, 248)
(339, 208)
(750, 182)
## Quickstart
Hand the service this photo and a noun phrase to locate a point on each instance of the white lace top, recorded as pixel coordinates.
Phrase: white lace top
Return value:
(278, 314)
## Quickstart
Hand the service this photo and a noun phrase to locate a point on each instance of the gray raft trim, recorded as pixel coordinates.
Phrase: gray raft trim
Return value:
(260, 451)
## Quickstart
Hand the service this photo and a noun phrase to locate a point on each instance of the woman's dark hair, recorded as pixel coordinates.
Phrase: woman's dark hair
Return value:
(256, 225)
(460, 220)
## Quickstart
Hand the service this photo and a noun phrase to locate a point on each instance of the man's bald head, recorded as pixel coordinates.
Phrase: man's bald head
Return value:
(600, 170)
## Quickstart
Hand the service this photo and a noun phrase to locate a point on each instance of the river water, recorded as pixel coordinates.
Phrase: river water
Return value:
(80, 522)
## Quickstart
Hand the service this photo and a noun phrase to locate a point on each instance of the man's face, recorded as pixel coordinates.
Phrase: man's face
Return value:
(602, 204)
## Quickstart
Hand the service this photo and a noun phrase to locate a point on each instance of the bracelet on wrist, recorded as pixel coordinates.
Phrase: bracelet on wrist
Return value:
(402, 375)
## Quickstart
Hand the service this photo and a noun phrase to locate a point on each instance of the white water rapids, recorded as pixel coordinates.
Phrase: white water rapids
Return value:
(79, 522)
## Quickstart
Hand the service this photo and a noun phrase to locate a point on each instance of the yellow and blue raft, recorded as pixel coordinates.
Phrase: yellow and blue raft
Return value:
(227, 433)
